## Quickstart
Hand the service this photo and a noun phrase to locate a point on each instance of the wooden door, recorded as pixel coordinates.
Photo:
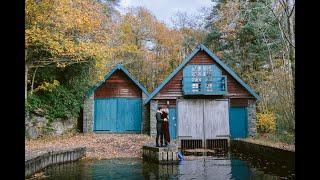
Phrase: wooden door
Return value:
(105, 114)
(203, 119)
(172, 123)
(118, 114)
(216, 119)
(190, 119)
(238, 122)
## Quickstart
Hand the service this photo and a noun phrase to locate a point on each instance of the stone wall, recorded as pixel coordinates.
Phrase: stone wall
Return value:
(146, 119)
(262, 151)
(252, 119)
(153, 120)
(88, 112)
(160, 155)
(37, 126)
(145, 115)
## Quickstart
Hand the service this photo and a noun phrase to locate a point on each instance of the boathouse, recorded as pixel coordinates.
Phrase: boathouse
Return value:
(115, 105)
(207, 101)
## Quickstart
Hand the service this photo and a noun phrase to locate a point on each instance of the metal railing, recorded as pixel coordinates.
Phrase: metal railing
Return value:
(214, 144)
(191, 144)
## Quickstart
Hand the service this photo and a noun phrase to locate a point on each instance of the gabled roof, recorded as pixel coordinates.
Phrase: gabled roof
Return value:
(123, 69)
(215, 58)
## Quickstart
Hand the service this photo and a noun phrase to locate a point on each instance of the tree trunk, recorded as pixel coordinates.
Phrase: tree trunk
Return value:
(25, 75)
(291, 48)
(270, 53)
(33, 77)
(26, 81)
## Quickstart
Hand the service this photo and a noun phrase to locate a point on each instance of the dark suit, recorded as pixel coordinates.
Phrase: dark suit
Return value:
(165, 128)
(159, 129)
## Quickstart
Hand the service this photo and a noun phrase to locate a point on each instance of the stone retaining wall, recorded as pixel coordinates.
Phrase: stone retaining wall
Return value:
(268, 152)
(252, 119)
(36, 126)
(34, 164)
(88, 114)
(160, 155)
(153, 120)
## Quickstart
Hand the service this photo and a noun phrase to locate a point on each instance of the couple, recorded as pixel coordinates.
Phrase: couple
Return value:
(162, 127)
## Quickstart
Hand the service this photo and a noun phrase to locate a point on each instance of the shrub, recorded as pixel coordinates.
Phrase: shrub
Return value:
(59, 92)
(33, 102)
(61, 103)
(266, 122)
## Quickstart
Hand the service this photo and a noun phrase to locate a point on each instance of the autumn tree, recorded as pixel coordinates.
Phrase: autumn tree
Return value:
(60, 33)
(148, 48)
(67, 48)
(191, 27)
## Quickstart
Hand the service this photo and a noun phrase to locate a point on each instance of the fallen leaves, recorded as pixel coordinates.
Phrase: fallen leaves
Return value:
(99, 146)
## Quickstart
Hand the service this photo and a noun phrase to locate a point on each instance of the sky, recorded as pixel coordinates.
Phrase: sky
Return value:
(165, 9)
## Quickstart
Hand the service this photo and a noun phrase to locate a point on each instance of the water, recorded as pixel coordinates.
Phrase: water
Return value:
(232, 166)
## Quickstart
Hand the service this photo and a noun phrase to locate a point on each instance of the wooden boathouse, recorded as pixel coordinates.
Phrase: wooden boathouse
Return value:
(115, 105)
(208, 102)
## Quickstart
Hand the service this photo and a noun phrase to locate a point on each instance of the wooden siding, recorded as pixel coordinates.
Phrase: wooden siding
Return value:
(173, 88)
(118, 85)
(236, 102)
(163, 102)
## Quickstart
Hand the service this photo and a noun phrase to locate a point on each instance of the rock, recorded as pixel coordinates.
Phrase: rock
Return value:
(58, 127)
(38, 126)
(32, 132)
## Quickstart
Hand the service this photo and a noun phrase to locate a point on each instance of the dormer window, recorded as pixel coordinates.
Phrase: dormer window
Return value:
(203, 80)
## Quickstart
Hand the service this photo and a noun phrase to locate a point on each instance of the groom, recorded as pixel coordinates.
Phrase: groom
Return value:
(159, 127)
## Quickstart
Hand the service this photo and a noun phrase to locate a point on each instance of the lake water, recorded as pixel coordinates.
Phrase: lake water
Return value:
(231, 166)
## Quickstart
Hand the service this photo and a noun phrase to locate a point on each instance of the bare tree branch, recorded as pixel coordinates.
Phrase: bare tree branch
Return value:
(292, 10)
(280, 25)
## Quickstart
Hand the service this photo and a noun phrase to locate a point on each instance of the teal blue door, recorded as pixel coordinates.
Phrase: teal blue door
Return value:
(117, 115)
(172, 123)
(105, 115)
(238, 122)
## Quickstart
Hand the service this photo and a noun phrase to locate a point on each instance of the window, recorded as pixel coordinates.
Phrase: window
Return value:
(196, 78)
(203, 79)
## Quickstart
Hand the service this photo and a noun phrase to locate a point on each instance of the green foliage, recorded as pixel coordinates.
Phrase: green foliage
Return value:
(58, 103)
(65, 99)
(212, 39)
(32, 103)
(61, 103)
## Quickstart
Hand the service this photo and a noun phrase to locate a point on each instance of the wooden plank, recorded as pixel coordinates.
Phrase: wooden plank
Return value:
(190, 117)
(216, 118)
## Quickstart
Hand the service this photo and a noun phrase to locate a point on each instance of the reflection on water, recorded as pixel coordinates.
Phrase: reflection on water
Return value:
(230, 167)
